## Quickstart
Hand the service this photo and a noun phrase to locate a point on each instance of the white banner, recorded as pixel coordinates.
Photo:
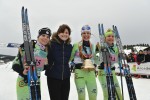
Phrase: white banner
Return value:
(143, 68)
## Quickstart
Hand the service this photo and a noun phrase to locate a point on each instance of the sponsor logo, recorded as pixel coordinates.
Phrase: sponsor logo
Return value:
(22, 83)
(134, 68)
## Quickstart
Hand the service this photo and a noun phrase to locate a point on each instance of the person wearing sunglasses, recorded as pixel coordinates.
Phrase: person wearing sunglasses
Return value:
(83, 55)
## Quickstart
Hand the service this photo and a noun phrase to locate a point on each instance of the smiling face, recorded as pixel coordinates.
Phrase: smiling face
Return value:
(86, 35)
(110, 39)
(43, 39)
(64, 36)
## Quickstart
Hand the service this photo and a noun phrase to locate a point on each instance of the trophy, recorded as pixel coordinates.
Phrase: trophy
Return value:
(86, 54)
(87, 65)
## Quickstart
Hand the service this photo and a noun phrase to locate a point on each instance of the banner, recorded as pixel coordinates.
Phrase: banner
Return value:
(142, 69)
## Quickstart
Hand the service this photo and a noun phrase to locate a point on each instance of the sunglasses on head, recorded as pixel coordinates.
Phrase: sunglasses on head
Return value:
(86, 28)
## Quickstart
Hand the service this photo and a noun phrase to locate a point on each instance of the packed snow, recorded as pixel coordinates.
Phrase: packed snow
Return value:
(8, 86)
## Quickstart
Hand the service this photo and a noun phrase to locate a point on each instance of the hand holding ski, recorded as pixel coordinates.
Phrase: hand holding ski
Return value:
(33, 80)
(107, 65)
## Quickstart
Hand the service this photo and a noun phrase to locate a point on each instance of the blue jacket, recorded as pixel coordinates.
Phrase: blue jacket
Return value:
(59, 53)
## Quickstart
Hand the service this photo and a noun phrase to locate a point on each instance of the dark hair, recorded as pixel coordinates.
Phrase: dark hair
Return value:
(141, 51)
(62, 28)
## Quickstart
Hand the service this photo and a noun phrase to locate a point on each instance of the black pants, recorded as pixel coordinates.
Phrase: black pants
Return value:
(58, 89)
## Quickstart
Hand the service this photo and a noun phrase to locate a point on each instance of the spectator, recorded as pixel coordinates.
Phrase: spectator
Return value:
(140, 57)
(147, 57)
(129, 58)
(148, 53)
(133, 57)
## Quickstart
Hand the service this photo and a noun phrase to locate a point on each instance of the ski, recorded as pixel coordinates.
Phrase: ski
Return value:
(107, 65)
(124, 65)
(33, 79)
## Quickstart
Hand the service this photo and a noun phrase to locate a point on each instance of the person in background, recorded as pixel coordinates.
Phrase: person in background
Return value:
(140, 57)
(148, 53)
(146, 56)
(133, 57)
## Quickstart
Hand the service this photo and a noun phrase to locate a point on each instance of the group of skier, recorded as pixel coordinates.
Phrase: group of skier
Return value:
(53, 54)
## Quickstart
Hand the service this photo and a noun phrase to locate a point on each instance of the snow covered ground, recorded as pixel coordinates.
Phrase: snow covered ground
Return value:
(8, 86)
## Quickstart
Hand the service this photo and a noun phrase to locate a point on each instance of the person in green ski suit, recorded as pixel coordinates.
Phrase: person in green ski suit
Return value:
(19, 63)
(113, 50)
(84, 78)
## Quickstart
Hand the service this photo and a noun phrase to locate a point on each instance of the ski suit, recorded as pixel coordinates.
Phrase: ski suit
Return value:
(22, 88)
(84, 78)
(113, 50)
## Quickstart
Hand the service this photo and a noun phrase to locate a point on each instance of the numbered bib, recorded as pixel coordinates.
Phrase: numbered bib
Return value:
(40, 58)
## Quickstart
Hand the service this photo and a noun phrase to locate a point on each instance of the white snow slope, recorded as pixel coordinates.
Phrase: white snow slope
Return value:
(8, 86)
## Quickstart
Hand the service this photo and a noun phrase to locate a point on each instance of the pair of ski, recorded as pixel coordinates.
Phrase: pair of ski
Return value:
(107, 66)
(105, 57)
(33, 79)
(124, 65)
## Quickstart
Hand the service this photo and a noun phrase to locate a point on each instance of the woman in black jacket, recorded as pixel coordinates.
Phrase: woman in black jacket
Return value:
(58, 73)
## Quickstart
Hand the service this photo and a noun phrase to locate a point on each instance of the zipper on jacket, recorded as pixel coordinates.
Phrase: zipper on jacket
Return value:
(63, 63)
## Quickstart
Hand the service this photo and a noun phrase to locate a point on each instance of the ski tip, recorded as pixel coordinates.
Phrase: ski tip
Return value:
(100, 24)
(22, 11)
(26, 10)
(113, 26)
(22, 7)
